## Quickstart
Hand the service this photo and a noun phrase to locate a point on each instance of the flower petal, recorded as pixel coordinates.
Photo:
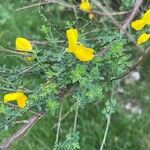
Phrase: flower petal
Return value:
(22, 101)
(146, 17)
(72, 36)
(23, 44)
(143, 38)
(83, 53)
(20, 97)
(138, 24)
(12, 96)
(85, 5)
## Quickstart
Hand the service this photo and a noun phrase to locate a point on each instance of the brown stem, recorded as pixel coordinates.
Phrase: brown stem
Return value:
(21, 132)
(132, 15)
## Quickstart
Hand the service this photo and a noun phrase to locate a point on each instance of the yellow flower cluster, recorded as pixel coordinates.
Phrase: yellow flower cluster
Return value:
(20, 97)
(139, 25)
(86, 6)
(81, 52)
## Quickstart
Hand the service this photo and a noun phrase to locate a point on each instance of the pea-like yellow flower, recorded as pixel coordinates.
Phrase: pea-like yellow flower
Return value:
(72, 36)
(83, 53)
(20, 97)
(146, 17)
(85, 5)
(79, 50)
(138, 24)
(23, 45)
(143, 38)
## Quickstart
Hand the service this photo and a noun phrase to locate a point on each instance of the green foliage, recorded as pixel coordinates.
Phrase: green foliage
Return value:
(54, 73)
(110, 107)
(71, 142)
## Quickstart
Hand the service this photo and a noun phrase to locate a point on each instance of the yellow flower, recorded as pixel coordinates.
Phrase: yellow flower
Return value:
(145, 20)
(85, 5)
(138, 24)
(143, 38)
(72, 36)
(81, 52)
(23, 45)
(20, 97)
(146, 17)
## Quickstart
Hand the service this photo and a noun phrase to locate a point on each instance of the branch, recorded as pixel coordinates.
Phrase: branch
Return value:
(34, 5)
(116, 23)
(21, 132)
(132, 15)
(139, 61)
(106, 132)
(61, 2)
(32, 121)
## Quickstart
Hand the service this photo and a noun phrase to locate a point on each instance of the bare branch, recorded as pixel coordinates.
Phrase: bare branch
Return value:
(132, 15)
(21, 132)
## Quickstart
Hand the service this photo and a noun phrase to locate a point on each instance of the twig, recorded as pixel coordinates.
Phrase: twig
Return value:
(132, 15)
(12, 90)
(25, 128)
(21, 132)
(58, 127)
(116, 23)
(70, 6)
(64, 116)
(106, 132)
(44, 42)
(112, 13)
(34, 5)
(76, 117)
(10, 51)
(15, 106)
(139, 61)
